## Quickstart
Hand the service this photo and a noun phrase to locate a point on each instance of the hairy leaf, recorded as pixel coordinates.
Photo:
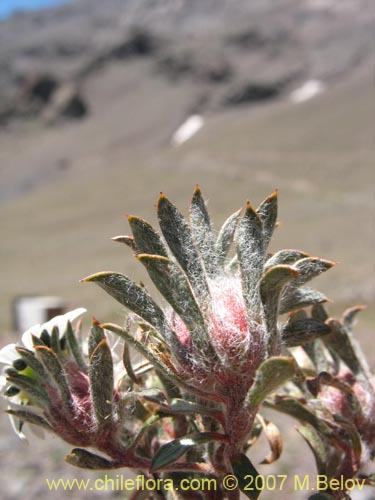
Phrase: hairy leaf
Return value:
(36, 393)
(296, 409)
(251, 252)
(295, 298)
(226, 236)
(317, 445)
(302, 331)
(178, 235)
(271, 374)
(285, 257)
(174, 286)
(271, 286)
(158, 362)
(309, 268)
(132, 296)
(202, 231)
(318, 312)
(32, 362)
(146, 238)
(267, 212)
(31, 418)
(126, 359)
(340, 343)
(182, 407)
(75, 347)
(87, 460)
(95, 337)
(101, 382)
(53, 366)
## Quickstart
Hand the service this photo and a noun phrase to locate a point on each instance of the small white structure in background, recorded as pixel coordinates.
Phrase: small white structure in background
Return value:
(186, 131)
(307, 91)
(32, 310)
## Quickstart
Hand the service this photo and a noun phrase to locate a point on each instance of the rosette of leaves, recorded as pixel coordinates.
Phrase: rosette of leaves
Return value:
(75, 389)
(335, 403)
(216, 342)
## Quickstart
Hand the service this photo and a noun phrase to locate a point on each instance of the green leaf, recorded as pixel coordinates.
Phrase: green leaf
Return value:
(270, 288)
(318, 446)
(56, 342)
(31, 418)
(87, 460)
(285, 257)
(178, 235)
(101, 382)
(318, 355)
(243, 469)
(145, 427)
(173, 450)
(146, 238)
(134, 297)
(354, 436)
(126, 359)
(340, 343)
(53, 366)
(32, 362)
(34, 391)
(155, 361)
(296, 409)
(251, 253)
(267, 212)
(182, 407)
(270, 375)
(309, 268)
(318, 312)
(75, 347)
(95, 337)
(174, 286)
(202, 231)
(153, 395)
(296, 298)
(171, 388)
(302, 331)
(226, 236)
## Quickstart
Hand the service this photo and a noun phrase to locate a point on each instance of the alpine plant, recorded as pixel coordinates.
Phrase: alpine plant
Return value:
(222, 341)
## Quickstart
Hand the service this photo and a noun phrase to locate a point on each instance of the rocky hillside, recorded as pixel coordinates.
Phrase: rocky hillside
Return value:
(226, 52)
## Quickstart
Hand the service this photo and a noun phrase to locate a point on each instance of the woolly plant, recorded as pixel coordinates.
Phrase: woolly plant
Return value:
(215, 350)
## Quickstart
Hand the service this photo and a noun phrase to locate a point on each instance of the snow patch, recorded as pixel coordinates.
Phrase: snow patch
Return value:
(187, 130)
(307, 91)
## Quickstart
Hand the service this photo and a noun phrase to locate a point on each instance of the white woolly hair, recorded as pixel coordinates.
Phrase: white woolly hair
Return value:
(230, 331)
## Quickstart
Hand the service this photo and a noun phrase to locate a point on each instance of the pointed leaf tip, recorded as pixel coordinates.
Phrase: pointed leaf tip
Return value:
(87, 460)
